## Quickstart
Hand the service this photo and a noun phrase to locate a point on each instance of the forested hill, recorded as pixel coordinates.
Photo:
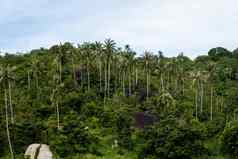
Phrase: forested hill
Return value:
(99, 101)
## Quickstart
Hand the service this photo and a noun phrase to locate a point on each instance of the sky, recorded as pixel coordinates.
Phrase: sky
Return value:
(172, 26)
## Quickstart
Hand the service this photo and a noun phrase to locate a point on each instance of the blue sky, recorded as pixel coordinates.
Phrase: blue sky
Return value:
(173, 26)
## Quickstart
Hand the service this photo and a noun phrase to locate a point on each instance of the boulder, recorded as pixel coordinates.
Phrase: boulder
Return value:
(38, 151)
(45, 152)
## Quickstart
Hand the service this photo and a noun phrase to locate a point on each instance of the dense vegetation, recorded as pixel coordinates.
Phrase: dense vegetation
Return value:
(100, 101)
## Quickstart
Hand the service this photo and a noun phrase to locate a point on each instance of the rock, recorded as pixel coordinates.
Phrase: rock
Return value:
(31, 151)
(38, 151)
(45, 152)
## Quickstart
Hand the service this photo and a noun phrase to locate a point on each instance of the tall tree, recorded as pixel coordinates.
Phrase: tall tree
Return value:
(55, 100)
(5, 78)
(86, 49)
(109, 47)
(147, 57)
(99, 53)
(129, 55)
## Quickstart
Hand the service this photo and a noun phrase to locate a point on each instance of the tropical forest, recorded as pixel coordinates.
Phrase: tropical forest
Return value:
(98, 100)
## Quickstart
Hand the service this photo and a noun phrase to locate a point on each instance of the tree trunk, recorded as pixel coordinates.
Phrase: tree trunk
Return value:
(176, 85)
(58, 115)
(183, 87)
(37, 82)
(222, 104)
(74, 73)
(211, 104)
(82, 77)
(60, 71)
(88, 75)
(202, 93)
(105, 80)
(10, 102)
(123, 83)
(196, 103)
(162, 83)
(108, 83)
(147, 84)
(29, 80)
(136, 76)
(129, 80)
(234, 115)
(7, 126)
(100, 74)
(37, 86)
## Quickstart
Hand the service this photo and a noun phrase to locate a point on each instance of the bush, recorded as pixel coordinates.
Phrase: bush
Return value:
(123, 128)
(75, 137)
(229, 140)
(216, 125)
(173, 139)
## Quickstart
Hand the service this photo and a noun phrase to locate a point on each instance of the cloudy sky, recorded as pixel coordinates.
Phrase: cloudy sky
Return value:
(173, 26)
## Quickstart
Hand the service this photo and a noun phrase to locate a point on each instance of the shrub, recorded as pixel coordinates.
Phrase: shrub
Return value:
(229, 140)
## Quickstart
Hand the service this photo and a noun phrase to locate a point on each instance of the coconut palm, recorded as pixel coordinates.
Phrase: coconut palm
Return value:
(35, 70)
(73, 58)
(199, 79)
(109, 49)
(196, 77)
(87, 50)
(5, 80)
(129, 56)
(147, 57)
(121, 65)
(211, 106)
(7, 125)
(55, 100)
(99, 53)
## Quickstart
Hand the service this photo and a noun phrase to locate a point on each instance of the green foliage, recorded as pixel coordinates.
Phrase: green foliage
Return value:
(171, 139)
(216, 125)
(123, 129)
(219, 52)
(75, 137)
(229, 140)
(84, 100)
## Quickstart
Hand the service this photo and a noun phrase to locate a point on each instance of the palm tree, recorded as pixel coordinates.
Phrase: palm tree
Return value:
(99, 48)
(211, 71)
(159, 71)
(211, 106)
(196, 85)
(72, 52)
(35, 65)
(168, 68)
(60, 57)
(121, 64)
(55, 99)
(147, 58)
(57, 81)
(109, 47)
(199, 80)
(29, 80)
(129, 56)
(86, 50)
(181, 75)
(7, 126)
(5, 78)
(136, 73)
